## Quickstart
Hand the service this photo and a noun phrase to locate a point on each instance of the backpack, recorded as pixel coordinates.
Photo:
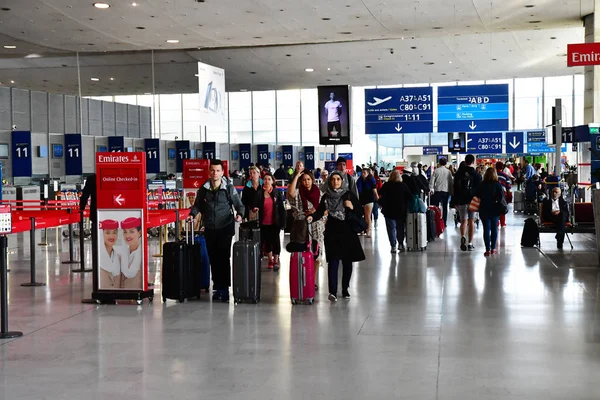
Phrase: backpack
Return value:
(531, 233)
(464, 183)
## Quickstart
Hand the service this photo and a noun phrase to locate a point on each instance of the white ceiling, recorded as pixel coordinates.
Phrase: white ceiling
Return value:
(267, 44)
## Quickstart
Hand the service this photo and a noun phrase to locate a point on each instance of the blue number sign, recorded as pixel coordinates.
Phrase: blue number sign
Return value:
(73, 160)
(152, 148)
(399, 110)
(263, 154)
(209, 149)
(21, 153)
(182, 148)
(309, 157)
(288, 155)
(245, 151)
(473, 108)
(116, 144)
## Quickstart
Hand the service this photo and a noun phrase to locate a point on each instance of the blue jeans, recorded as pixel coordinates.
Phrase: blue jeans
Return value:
(490, 232)
(395, 230)
(375, 211)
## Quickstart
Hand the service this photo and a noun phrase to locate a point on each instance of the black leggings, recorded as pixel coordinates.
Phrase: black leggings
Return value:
(269, 235)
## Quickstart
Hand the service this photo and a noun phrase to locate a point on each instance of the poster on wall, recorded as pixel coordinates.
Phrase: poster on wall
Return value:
(120, 250)
(211, 86)
(334, 115)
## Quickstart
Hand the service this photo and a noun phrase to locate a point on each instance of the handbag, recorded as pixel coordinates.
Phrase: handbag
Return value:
(299, 232)
(357, 224)
(501, 206)
(474, 205)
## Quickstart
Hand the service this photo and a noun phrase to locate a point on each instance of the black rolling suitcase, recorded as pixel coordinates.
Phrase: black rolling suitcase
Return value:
(250, 231)
(431, 228)
(181, 269)
(246, 271)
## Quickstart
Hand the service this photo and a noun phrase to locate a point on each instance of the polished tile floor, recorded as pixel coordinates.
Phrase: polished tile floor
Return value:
(442, 324)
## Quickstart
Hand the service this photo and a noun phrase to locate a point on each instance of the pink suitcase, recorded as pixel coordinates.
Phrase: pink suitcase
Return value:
(302, 278)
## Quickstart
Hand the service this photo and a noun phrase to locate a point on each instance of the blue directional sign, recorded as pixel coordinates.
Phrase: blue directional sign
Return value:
(209, 149)
(116, 144)
(263, 154)
(536, 143)
(432, 150)
(245, 152)
(515, 143)
(473, 108)
(484, 143)
(152, 149)
(73, 159)
(21, 154)
(399, 110)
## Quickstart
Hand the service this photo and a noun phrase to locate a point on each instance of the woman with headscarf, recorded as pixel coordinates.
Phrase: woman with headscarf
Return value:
(304, 199)
(342, 245)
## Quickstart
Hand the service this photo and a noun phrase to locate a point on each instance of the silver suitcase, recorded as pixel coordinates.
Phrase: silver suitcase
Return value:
(519, 201)
(416, 232)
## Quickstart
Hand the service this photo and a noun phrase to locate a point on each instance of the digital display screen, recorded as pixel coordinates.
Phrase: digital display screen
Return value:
(457, 142)
(172, 154)
(57, 151)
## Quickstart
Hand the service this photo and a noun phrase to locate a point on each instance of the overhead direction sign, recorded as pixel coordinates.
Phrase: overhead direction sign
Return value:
(473, 108)
(399, 110)
(536, 143)
(433, 150)
(484, 143)
(514, 142)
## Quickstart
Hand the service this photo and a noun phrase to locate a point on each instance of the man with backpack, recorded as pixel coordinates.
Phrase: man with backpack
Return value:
(348, 181)
(213, 205)
(466, 184)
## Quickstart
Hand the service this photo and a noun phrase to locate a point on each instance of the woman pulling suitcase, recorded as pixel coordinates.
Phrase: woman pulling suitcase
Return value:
(342, 244)
(271, 214)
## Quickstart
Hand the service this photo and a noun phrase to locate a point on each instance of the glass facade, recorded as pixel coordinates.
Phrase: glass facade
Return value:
(291, 116)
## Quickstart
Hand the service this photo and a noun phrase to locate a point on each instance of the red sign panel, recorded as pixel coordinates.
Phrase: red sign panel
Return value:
(195, 173)
(122, 218)
(583, 54)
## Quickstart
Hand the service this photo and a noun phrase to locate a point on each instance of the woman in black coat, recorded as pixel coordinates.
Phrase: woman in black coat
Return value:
(250, 191)
(271, 215)
(341, 243)
(395, 196)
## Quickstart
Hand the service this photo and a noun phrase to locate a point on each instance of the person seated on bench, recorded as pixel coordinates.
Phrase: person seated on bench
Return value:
(535, 190)
(555, 210)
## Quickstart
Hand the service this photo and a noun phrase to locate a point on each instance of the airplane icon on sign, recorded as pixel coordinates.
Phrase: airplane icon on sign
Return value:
(378, 101)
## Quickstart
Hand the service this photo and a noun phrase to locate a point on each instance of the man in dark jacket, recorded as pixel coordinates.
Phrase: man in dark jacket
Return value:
(555, 210)
(281, 173)
(466, 183)
(213, 206)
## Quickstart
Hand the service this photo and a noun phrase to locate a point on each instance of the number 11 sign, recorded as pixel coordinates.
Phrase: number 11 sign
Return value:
(73, 161)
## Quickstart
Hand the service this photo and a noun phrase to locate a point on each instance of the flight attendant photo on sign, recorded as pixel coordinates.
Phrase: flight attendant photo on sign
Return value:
(131, 266)
(110, 259)
(121, 252)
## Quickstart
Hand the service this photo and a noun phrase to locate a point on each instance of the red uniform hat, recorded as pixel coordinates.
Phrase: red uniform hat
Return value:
(131, 223)
(109, 224)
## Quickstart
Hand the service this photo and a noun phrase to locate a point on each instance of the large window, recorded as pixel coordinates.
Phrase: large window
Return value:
(288, 117)
(240, 117)
(170, 117)
(310, 117)
(528, 103)
(559, 87)
(263, 104)
(192, 130)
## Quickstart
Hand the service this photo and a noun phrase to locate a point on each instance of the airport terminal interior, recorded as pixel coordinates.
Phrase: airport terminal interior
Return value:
(118, 118)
